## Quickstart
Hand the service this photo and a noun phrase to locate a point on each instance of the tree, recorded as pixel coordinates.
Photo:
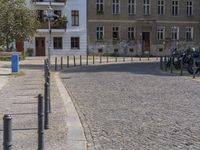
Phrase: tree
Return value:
(17, 22)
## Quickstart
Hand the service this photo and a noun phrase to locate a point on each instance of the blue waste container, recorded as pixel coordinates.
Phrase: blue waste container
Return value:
(15, 63)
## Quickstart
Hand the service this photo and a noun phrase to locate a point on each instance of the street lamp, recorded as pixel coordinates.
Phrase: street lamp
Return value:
(50, 16)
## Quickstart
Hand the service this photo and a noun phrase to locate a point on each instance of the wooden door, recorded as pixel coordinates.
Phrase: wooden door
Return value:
(40, 46)
(146, 43)
(20, 46)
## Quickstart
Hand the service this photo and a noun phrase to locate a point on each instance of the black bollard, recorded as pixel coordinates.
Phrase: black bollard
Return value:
(100, 59)
(123, 59)
(194, 68)
(40, 122)
(161, 63)
(171, 66)
(48, 93)
(61, 63)
(67, 61)
(140, 58)
(87, 60)
(131, 57)
(80, 60)
(55, 63)
(181, 66)
(116, 58)
(107, 58)
(46, 108)
(93, 59)
(7, 132)
(165, 63)
(74, 61)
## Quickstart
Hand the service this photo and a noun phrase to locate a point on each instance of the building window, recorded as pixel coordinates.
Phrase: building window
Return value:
(146, 7)
(116, 6)
(161, 33)
(116, 50)
(131, 7)
(100, 50)
(175, 7)
(175, 33)
(100, 6)
(57, 42)
(40, 15)
(75, 43)
(161, 7)
(131, 33)
(115, 33)
(99, 33)
(75, 17)
(189, 33)
(189, 8)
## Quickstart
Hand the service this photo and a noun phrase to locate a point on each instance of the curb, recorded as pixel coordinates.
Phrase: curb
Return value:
(75, 134)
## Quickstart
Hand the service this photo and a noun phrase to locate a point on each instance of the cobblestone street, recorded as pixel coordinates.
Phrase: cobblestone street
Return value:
(135, 107)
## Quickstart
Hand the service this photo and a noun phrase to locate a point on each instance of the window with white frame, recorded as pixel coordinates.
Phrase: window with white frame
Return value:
(161, 7)
(146, 7)
(57, 43)
(160, 33)
(175, 5)
(100, 33)
(75, 17)
(175, 33)
(100, 6)
(116, 6)
(131, 7)
(189, 33)
(131, 33)
(189, 8)
(115, 33)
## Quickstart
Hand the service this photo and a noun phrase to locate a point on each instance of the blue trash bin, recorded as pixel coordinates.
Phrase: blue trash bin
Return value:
(15, 63)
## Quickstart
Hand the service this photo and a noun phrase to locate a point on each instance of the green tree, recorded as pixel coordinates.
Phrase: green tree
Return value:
(17, 22)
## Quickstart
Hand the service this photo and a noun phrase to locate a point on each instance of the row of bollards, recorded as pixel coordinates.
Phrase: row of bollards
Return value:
(44, 108)
(164, 65)
(93, 60)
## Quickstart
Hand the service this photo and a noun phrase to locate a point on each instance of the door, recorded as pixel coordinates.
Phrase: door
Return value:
(40, 46)
(145, 43)
(20, 46)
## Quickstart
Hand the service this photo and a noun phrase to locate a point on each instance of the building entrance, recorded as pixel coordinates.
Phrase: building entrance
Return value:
(145, 43)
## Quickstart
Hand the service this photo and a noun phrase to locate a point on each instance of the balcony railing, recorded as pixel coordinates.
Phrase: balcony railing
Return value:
(53, 1)
(54, 25)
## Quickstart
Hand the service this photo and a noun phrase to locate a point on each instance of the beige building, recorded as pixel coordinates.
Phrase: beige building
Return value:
(142, 27)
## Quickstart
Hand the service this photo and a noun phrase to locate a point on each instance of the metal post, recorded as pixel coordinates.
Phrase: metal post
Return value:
(93, 59)
(181, 66)
(49, 93)
(67, 61)
(107, 58)
(100, 59)
(80, 60)
(131, 57)
(87, 59)
(194, 68)
(115, 58)
(7, 132)
(171, 66)
(40, 122)
(148, 58)
(61, 63)
(74, 61)
(123, 59)
(165, 63)
(55, 63)
(49, 47)
(140, 58)
(161, 63)
(46, 97)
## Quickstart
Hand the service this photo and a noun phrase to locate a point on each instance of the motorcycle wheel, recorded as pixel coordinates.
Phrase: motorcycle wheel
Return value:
(190, 68)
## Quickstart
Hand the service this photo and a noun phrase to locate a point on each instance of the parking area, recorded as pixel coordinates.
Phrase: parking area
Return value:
(135, 106)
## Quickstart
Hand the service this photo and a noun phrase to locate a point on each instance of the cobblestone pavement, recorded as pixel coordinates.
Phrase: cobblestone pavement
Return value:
(19, 98)
(136, 107)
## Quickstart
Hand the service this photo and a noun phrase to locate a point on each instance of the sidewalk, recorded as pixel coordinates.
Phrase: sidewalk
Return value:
(19, 98)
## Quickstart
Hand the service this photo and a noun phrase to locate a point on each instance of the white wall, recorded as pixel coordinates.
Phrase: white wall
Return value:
(80, 31)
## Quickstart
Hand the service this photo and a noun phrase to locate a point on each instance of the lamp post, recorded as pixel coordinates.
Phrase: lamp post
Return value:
(50, 16)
